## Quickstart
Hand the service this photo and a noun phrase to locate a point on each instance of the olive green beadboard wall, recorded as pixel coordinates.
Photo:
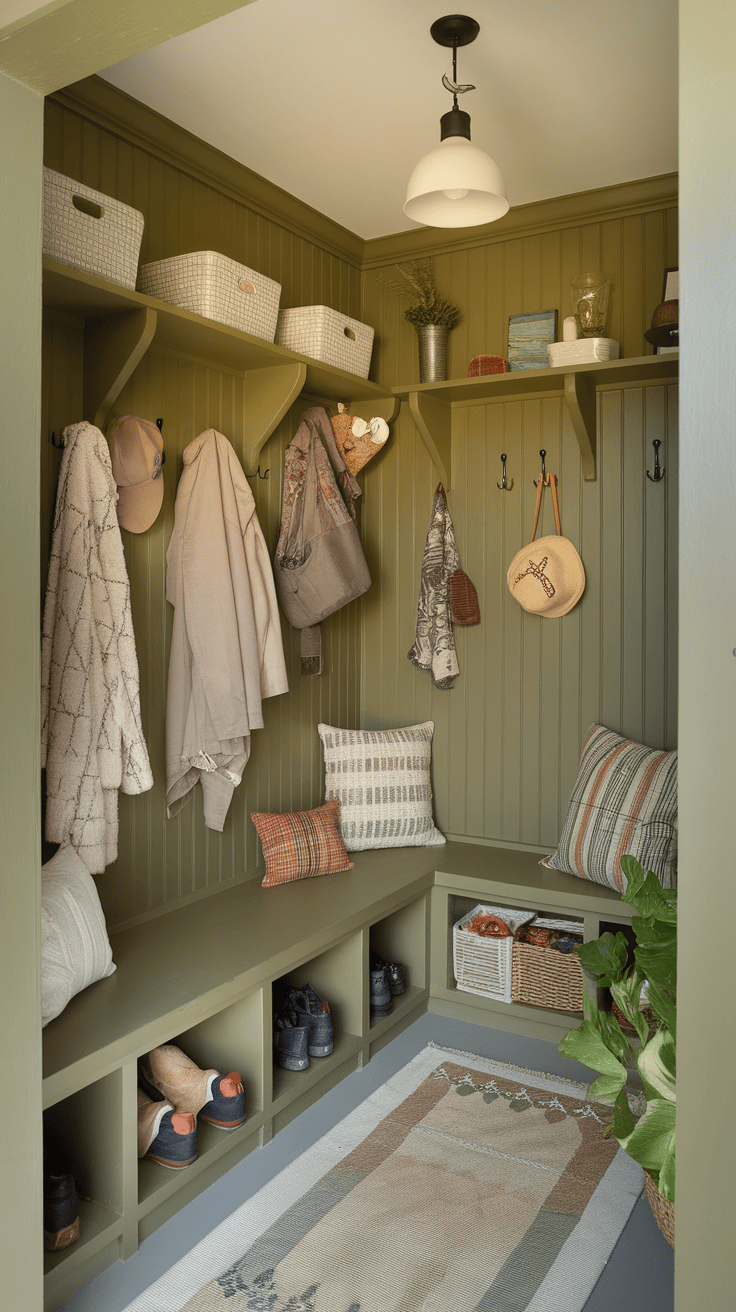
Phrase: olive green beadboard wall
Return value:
(507, 737)
(193, 199)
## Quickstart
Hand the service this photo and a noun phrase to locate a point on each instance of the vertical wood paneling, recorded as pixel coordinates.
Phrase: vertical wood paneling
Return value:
(507, 737)
(160, 860)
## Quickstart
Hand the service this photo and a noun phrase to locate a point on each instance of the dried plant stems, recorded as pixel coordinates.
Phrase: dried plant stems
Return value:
(419, 284)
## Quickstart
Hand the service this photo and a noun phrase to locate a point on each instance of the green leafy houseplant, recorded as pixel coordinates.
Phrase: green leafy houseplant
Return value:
(417, 281)
(601, 1043)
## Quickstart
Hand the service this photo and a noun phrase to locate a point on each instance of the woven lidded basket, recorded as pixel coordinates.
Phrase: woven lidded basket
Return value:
(88, 230)
(483, 965)
(326, 335)
(545, 977)
(662, 1209)
(216, 287)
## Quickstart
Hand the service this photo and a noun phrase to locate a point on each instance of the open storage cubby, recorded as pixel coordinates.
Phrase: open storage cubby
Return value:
(229, 1040)
(87, 1129)
(401, 937)
(512, 878)
(336, 975)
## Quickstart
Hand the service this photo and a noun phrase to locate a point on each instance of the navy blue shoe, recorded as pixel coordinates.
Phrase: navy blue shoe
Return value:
(313, 1011)
(291, 1042)
(165, 1135)
(381, 1000)
(226, 1105)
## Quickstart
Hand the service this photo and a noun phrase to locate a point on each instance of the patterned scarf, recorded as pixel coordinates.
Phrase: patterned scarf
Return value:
(434, 644)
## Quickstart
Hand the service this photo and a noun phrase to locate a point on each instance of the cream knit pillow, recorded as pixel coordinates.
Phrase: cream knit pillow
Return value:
(75, 949)
(381, 777)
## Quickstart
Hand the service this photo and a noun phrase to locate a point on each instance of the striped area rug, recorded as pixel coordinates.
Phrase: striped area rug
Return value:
(461, 1185)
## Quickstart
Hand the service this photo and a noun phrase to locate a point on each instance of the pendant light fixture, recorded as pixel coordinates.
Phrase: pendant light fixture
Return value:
(455, 185)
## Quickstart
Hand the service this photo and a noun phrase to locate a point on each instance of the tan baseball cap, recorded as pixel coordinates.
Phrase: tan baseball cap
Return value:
(138, 457)
(547, 577)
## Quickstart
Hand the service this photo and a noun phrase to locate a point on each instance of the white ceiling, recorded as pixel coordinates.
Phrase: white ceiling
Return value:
(336, 100)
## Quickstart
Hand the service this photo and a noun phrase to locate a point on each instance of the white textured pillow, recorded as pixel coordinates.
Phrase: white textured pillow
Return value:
(381, 777)
(75, 949)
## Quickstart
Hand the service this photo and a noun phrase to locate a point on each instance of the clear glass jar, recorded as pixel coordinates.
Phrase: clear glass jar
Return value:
(590, 293)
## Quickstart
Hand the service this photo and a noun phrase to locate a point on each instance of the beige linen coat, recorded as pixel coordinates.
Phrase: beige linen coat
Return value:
(226, 648)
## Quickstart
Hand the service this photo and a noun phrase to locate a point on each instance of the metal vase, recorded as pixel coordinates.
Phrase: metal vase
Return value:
(432, 353)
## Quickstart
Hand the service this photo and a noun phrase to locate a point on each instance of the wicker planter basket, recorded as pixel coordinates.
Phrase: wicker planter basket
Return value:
(646, 1012)
(662, 1209)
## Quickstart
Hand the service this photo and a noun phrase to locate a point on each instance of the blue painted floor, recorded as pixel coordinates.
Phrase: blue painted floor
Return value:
(639, 1276)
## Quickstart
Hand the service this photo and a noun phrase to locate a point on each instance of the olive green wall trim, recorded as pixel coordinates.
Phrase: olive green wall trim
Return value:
(60, 43)
(108, 107)
(21, 1252)
(705, 1254)
(628, 198)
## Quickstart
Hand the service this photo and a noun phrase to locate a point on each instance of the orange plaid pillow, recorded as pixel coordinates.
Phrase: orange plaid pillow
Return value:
(299, 844)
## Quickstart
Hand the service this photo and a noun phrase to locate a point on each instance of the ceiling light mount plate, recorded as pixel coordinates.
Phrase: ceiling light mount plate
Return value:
(454, 30)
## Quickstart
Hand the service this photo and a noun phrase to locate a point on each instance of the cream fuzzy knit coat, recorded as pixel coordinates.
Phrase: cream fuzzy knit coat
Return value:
(92, 742)
(226, 647)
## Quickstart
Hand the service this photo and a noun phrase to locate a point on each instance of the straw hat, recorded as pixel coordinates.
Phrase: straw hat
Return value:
(137, 452)
(547, 577)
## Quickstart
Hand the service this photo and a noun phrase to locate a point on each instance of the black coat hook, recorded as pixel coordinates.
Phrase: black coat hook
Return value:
(503, 485)
(60, 444)
(160, 425)
(658, 474)
(258, 473)
(543, 475)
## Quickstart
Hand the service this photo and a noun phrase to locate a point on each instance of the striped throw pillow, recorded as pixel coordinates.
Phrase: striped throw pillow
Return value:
(624, 802)
(299, 844)
(381, 777)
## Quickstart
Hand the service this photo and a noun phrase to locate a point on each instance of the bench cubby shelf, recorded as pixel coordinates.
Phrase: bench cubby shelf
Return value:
(121, 324)
(432, 404)
(203, 975)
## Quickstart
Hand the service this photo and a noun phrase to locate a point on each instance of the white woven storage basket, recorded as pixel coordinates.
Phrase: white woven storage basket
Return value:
(483, 965)
(90, 231)
(326, 335)
(216, 287)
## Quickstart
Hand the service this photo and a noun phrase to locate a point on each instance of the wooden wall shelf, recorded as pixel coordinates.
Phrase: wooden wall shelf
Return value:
(120, 325)
(432, 404)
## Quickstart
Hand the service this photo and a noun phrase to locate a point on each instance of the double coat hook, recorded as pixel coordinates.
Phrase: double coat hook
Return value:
(543, 476)
(503, 485)
(658, 474)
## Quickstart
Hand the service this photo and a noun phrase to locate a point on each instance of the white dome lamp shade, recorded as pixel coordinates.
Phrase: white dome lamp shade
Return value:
(456, 185)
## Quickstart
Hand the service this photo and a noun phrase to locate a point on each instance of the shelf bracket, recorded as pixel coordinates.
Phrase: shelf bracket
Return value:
(385, 407)
(269, 393)
(433, 418)
(113, 346)
(581, 406)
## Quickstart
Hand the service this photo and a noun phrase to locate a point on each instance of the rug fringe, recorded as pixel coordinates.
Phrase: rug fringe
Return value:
(637, 1100)
(517, 1070)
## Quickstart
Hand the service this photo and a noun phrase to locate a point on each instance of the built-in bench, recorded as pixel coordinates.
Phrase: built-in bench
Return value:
(202, 974)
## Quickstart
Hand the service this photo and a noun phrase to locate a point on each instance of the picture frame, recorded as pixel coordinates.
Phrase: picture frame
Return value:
(671, 285)
(529, 336)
